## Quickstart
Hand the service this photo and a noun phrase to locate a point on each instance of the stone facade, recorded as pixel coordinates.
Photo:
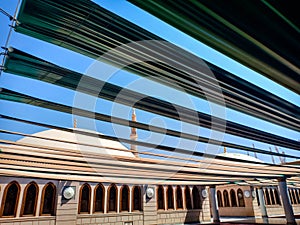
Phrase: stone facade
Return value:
(67, 211)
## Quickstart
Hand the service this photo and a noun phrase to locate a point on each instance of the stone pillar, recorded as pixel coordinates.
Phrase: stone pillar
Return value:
(262, 204)
(165, 197)
(183, 197)
(118, 198)
(67, 210)
(174, 197)
(92, 199)
(206, 213)
(105, 199)
(214, 204)
(191, 194)
(21, 196)
(288, 209)
(130, 198)
(149, 206)
(39, 200)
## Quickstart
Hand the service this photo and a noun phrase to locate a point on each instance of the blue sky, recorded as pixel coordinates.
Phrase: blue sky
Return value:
(79, 63)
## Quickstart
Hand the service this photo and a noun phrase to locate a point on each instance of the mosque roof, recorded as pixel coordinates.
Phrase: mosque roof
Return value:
(240, 156)
(80, 142)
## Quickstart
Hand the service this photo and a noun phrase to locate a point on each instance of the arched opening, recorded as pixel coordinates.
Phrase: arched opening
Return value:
(233, 198)
(10, 200)
(226, 198)
(112, 198)
(277, 198)
(272, 197)
(125, 198)
(179, 204)
(30, 199)
(85, 199)
(241, 199)
(48, 200)
(297, 192)
(137, 199)
(170, 198)
(291, 196)
(268, 201)
(188, 201)
(257, 196)
(99, 198)
(160, 197)
(219, 197)
(196, 198)
(294, 196)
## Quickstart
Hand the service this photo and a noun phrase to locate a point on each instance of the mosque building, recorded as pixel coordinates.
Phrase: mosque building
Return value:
(37, 190)
(73, 176)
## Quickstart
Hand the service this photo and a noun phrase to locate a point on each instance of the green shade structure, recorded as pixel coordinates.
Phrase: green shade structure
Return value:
(24, 64)
(87, 28)
(13, 96)
(262, 35)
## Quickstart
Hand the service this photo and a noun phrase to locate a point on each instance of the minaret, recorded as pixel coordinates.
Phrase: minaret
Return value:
(75, 123)
(133, 135)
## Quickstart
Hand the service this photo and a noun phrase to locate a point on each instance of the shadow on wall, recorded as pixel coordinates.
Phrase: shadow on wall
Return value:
(193, 201)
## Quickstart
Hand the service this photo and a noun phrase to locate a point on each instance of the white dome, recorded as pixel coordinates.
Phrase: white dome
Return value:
(103, 145)
(240, 156)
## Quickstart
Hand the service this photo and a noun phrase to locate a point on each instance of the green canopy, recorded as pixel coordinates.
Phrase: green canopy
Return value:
(87, 28)
(23, 64)
(10, 95)
(262, 35)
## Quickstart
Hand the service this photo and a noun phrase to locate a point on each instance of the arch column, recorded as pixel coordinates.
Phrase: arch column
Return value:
(105, 198)
(192, 197)
(92, 199)
(262, 205)
(20, 201)
(288, 209)
(183, 197)
(130, 198)
(174, 197)
(165, 197)
(118, 198)
(214, 204)
(39, 200)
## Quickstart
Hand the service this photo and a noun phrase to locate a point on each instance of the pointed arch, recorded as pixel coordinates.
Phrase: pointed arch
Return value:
(10, 199)
(160, 197)
(30, 199)
(297, 192)
(267, 200)
(179, 203)
(272, 197)
(219, 198)
(170, 197)
(257, 196)
(124, 201)
(233, 198)
(277, 198)
(294, 196)
(112, 198)
(84, 199)
(188, 200)
(226, 198)
(241, 199)
(196, 198)
(137, 198)
(99, 194)
(48, 200)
